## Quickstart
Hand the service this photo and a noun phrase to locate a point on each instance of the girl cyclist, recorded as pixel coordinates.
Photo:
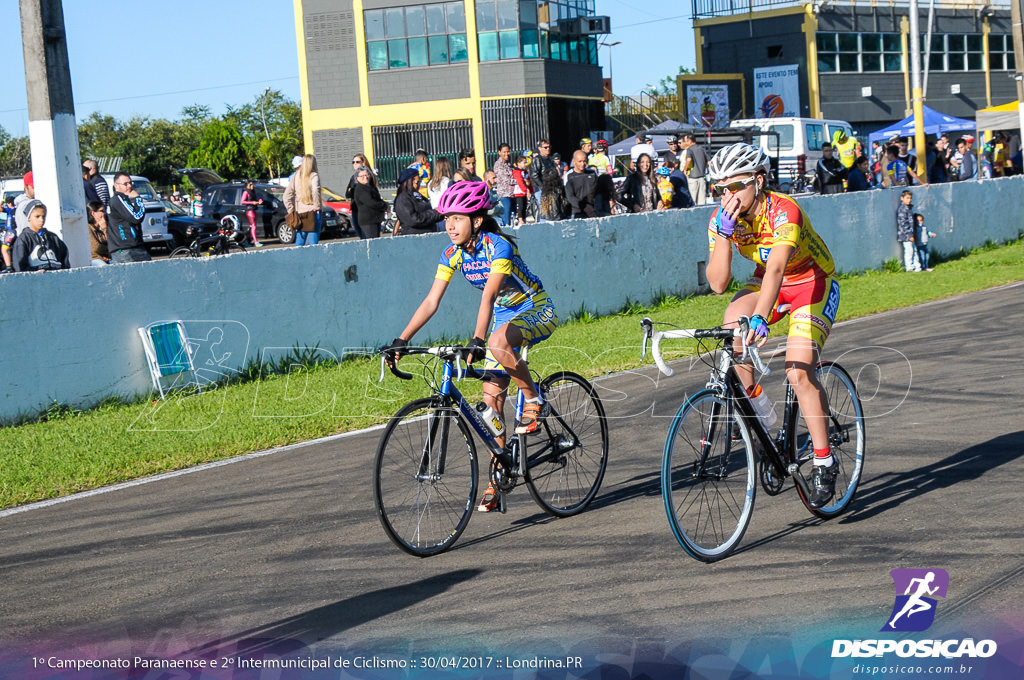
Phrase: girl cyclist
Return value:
(794, 270)
(514, 310)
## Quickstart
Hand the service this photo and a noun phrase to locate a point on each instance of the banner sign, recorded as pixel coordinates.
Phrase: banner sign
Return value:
(777, 91)
(707, 105)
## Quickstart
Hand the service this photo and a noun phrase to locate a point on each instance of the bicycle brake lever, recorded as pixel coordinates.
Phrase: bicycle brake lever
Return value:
(382, 366)
(646, 329)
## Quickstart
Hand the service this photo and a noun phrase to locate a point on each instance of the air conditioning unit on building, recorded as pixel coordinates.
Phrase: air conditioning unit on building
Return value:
(586, 26)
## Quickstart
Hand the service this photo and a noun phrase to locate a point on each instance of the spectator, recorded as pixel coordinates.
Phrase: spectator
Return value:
(695, 167)
(599, 160)
(639, 193)
(877, 159)
(20, 220)
(542, 168)
(467, 161)
(858, 178)
(90, 190)
(936, 161)
(673, 151)
(97, 217)
(664, 184)
(908, 156)
(643, 146)
(505, 183)
(359, 160)
(905, 231)
(921, 236)
(553, 206)
(680, 186)
(497, 209)
(563, 168)
(37, 249)
(124, 233)
(587, 147)
(250, 200)
(97, 181)
(828, 172)
(846, 148)
(302, 196)
(896, 172)
(580, 187)
(415, 216)
(439, 182)
(10, 233)
(372, 207)
(963, 161)
(421, 164)
(463, 175)
(522, 191)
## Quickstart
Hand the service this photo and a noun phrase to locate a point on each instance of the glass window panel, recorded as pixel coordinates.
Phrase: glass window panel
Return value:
(456, 14)
(556, 46)
(485, 16)
(956, 43)
(827, 42)
(594, 58)
(437, 47)
(848, 42)
(938, 43)
(527, 14)
(871, 42)
(457, 49)
(488, 45)
(1010, 60)
(377, 55)
(394, 22)
(397, 56)
(374, 24)
(870, 62)
(974, 43)
(826, 63)
(893, 62)
(531, 50)
(507, 15)
(815, 136)
(995, 62)
(848, 64)
(891, 42)
(956, 61)
(545, 46)
(937, 62)
(975, 61)
(418, 52)
(509, 41)
(435, 20)
(785, 135)
(414, 21)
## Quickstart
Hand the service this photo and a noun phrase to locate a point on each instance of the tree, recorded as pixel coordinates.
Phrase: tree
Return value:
(667, 85)
(15, 155)
(221, 149)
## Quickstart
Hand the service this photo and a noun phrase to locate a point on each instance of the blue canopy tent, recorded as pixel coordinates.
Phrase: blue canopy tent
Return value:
(935, 123)
(660, 142)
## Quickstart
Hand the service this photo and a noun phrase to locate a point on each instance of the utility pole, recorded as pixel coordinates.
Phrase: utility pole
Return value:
(1016, 14)
(53, 133)
(917, 92)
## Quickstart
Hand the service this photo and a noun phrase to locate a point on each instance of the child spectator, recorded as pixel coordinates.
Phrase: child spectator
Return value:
(522, 190)
(921, 236)
(37, 249)
(905, 231)
(9, 234)
(664, 185)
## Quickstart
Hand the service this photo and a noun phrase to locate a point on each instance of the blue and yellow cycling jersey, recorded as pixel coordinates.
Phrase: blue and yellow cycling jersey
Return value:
(492, 253)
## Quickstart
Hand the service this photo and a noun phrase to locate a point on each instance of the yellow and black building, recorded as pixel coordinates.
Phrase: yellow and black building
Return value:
(385, 77)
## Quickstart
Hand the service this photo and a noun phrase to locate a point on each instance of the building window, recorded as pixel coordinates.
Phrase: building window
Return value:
(859, 52)
(416, 35)
(1000, 53)
(528, 29)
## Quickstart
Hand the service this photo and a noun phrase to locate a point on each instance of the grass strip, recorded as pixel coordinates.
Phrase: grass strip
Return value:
(67, 451)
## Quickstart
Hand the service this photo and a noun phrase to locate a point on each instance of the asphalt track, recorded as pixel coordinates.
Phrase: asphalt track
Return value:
(283, 553)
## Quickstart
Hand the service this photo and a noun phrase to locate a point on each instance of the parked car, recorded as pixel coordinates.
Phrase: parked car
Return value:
(342, 206)
(222, 198)
(154, 223)
(179, 221)
(799, 144)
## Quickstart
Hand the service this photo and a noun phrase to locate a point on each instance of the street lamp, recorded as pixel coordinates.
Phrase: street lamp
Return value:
(609, 45)
(263, 114)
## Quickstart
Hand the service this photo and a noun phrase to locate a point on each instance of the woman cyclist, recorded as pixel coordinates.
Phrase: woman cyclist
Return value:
(514, 310)
(794, 270)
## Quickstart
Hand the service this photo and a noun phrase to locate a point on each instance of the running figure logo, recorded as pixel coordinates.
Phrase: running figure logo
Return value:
(914, 609)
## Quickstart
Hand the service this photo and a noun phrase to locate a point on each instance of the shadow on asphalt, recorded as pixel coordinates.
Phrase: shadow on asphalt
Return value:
(295, 633)
(888, 490)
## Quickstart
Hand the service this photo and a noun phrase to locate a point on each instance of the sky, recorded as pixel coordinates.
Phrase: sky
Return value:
(195, 52)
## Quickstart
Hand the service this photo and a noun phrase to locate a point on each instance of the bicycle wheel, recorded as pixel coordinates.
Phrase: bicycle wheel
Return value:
(182, 251)
(845, 435)
(708, 477)
(424, 478)
(566, 459)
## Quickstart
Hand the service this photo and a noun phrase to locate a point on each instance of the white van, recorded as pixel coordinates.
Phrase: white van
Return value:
(154, 223)
(800, 141)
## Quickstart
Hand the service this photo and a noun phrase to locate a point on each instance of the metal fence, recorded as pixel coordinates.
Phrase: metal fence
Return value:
(704, 9)
(394, 146)
(520, 123)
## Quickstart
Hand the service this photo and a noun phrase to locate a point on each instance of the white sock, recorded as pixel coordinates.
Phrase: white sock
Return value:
(538, 400)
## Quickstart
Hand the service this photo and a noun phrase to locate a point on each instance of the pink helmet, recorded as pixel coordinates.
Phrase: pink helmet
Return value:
(464, 198)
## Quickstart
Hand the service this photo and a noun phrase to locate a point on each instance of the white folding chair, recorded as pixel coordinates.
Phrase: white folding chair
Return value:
(169, 356)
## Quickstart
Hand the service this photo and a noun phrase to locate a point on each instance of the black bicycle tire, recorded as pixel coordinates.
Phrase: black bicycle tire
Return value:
(674, 476)
(850, 458)
(180, 252)
(461, 506)
(574, 497)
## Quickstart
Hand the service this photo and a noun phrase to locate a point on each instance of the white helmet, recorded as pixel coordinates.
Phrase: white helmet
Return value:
(738, 159)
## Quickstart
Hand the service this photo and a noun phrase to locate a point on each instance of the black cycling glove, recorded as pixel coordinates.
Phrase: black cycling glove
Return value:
(393, 351)
(477, 349)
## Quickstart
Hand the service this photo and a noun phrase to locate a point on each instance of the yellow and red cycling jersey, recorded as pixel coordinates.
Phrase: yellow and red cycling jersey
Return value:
(779, 221)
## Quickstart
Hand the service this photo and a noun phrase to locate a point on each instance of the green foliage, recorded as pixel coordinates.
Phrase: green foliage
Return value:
(667, 85)
(892, 265)
(223, 150)
(15, 155)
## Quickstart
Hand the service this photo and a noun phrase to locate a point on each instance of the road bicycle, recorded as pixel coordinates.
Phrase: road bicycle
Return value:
(425, 473)
(718, 448)
(229, 237)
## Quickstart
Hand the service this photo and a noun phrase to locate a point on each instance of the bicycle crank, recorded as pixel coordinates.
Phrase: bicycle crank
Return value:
(771, 482)
(503, 482)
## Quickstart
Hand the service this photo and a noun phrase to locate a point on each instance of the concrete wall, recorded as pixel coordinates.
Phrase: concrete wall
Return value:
(71, 336)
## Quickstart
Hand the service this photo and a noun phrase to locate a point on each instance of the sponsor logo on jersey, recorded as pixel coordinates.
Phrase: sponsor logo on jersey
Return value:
(832, 303)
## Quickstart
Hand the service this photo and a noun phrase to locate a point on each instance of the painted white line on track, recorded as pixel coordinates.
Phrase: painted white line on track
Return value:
(260, 454)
